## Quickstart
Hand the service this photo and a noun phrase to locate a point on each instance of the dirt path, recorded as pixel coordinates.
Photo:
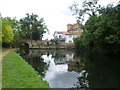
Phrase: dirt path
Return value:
(4, 53)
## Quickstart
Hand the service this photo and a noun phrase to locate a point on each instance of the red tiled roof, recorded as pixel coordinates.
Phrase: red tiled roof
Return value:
(64, 32)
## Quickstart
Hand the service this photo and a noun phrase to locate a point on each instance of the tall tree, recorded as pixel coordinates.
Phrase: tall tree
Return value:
(101, 30)
(32, 28)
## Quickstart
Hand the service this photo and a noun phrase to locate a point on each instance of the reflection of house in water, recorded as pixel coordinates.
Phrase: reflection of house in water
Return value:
(76, 66)
(60, 58)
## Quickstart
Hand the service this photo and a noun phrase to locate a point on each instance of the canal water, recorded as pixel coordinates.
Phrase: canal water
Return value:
(68, 69)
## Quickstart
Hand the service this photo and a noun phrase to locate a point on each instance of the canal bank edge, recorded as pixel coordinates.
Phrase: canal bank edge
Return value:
(16, 73)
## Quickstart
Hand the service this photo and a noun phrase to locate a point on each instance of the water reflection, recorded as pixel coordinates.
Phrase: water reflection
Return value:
(59, 67)
(66, 69)
(101, 71)
(58, 75)
(34, 58)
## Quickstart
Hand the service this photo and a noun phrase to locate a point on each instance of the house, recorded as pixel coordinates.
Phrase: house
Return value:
(62, 58)
(72, 32)
(63, 36)
(74, 29)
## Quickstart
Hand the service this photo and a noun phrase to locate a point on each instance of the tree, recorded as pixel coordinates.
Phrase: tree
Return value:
(7, 32)
(0, 31)
(88, 8)
(55, 41)
(32, 28)
(10, 26)
(101, 30)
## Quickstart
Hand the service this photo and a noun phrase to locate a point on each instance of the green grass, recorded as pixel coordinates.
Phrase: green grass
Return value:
(16, 73)
(4, 49)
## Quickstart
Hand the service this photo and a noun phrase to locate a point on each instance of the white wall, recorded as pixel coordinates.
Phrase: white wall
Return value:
(69, 57)
(68, 38)
(57, 35)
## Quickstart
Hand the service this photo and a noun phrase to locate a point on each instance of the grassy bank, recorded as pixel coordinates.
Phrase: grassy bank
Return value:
(16, 73)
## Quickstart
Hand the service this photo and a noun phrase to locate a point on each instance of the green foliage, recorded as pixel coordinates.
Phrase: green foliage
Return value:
(0, 24)
(10, 31)
(32, 28)
(77, 42)
(55, 41)
(105, 29)
(97, 67)
(7, 31)
(18, 74)
(88, 8)
(13, 22)
(101, 30)
(16, 27)
(28, 27)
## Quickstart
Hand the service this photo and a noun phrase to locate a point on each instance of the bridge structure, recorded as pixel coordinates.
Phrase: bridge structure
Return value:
(27, 42)
(38, 44)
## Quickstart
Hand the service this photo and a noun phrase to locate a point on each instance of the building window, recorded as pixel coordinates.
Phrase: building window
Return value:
(60, 36)
(69, 35)
(75, 30)
(75, 36)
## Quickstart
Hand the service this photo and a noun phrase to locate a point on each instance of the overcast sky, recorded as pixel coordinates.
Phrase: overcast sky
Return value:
(56, 13)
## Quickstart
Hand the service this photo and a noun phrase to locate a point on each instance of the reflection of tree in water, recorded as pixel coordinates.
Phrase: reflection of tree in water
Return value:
(104, 72)
(96, 71)
(23, 52)
(101, 72)
(82, 80)
(79, 67)
(37, 62)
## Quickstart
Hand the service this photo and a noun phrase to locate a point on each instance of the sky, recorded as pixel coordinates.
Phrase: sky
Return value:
(56, 13)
